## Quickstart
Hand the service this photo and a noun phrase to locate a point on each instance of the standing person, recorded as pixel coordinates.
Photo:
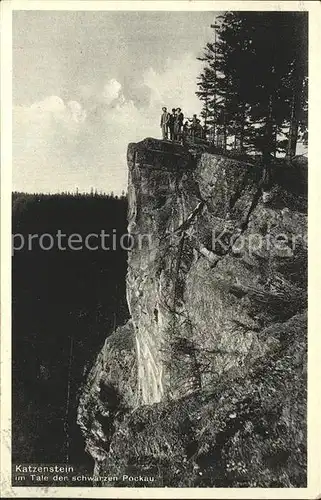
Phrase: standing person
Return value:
(199, 133)
(178, 124)
(164, 123)
(171, 124)
(193, 126)
(186, 131)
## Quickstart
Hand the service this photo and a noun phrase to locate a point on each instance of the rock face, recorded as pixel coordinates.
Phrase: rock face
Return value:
(216, 289)
(196, 287)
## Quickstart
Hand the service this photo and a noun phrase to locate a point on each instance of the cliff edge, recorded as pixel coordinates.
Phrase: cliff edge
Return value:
(206, 384)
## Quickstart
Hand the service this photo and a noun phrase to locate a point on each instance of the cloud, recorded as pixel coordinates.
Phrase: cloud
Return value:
(76, 113)
(44, 116)
(111, 91)
(61, 145)
(176, 86)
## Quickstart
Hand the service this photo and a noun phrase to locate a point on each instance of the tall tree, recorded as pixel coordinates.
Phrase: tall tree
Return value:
(254, 81)
(298, 83)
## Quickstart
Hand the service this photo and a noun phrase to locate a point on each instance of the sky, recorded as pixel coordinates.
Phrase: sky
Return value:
(85, 84)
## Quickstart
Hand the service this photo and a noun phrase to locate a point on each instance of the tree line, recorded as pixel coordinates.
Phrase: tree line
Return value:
(94, 193)
(254, 82)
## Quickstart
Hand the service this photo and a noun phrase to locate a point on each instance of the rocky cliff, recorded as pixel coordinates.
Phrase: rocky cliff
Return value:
(206, 383)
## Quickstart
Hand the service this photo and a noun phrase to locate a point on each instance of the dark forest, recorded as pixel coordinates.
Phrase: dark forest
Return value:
(64, 303)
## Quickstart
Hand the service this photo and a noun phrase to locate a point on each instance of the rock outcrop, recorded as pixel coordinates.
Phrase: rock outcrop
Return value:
(211, 381)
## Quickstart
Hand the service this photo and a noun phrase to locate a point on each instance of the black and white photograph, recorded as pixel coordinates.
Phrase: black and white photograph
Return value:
(159, 272)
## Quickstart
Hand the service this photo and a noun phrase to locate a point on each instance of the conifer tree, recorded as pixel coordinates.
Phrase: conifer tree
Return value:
(254, 81)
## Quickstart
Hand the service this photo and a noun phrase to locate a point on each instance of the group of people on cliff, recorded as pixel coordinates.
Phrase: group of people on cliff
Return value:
(173, 125)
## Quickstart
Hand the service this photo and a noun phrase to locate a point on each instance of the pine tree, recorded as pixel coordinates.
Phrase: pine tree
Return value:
(254, 81)
(298, 82)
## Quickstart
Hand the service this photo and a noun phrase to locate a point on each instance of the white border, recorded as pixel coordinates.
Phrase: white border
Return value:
(314, 361)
